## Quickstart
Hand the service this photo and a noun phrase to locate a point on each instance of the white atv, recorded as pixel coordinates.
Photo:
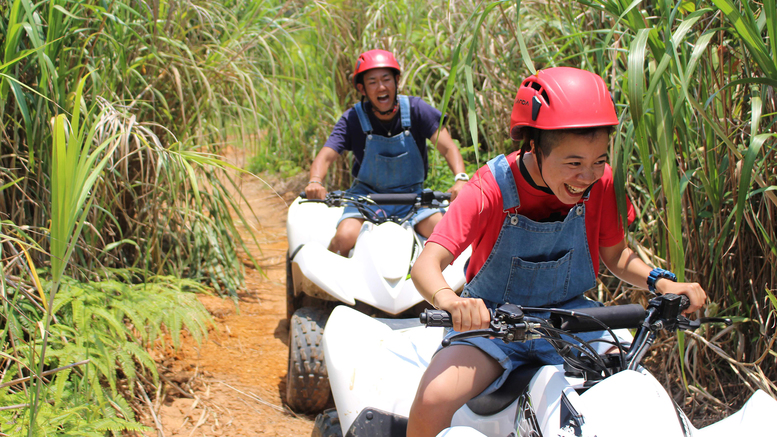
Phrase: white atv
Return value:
(374, 279)
(590, 395)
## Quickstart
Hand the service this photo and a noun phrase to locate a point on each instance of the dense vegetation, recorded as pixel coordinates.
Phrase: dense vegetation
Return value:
(113, 196)
(114, 206)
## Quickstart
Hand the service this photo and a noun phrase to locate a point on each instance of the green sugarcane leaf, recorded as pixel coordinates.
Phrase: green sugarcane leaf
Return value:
(749, 34)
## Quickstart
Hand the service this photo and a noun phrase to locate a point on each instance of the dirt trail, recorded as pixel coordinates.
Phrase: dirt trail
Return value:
(236, 379)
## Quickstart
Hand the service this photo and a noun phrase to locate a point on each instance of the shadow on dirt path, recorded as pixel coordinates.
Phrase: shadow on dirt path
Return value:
(234, 383)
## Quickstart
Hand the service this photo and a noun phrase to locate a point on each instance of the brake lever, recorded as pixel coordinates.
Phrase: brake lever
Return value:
(724, 320)
(684, 323)
(470, 334)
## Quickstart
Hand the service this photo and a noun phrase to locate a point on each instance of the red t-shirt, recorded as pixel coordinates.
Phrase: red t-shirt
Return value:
(476, 216)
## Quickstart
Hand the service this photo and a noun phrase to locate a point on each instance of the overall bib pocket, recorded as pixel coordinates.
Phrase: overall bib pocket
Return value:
(389, 168)
(539, 283)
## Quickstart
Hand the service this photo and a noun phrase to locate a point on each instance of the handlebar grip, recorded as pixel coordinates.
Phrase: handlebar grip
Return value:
(394, 198)
(303, 195)
(432, 318)
(442, 196)
(614, 317)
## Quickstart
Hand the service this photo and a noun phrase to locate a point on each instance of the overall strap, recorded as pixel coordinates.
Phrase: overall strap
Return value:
(363, 119)
(500, 168)
(404, 110)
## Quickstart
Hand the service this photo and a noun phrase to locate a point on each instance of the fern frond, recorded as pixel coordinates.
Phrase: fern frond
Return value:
(118, 328)
(60, 380)
(126, 363)
(142, 357)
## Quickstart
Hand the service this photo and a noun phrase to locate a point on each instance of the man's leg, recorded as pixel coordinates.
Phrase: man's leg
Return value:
(345, 237)
(426, 226)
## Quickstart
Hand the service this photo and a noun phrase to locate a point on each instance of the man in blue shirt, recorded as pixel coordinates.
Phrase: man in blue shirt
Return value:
(387, 135)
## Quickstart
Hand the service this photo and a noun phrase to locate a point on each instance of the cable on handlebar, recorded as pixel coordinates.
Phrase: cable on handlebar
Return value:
(579, 313)
(663, 313)
(584, 348)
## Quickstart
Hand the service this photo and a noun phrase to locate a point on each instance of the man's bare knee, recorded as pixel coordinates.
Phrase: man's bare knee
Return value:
(426, 226)
(346, 235)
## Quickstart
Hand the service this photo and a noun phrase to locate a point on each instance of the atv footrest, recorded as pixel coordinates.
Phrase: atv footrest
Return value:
(373, 422)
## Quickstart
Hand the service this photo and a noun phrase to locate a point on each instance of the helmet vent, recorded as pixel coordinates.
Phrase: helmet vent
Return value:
(537, 87)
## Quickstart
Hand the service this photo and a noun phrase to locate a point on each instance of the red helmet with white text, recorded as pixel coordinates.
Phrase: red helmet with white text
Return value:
(562, 98)
(374, 59)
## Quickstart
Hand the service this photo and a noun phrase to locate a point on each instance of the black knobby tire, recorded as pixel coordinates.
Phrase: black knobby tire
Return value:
(307, 382)
(327, 425)
(293, 302)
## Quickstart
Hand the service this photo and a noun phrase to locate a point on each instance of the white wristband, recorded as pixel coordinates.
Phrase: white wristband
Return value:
(461, 177)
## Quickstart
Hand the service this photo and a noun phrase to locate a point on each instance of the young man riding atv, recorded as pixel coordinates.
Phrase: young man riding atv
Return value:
(387, 135)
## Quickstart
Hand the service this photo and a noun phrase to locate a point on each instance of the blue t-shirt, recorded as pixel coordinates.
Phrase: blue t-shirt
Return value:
(348, 135)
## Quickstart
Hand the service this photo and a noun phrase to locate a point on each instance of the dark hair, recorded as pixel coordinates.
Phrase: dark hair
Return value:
(547, 140)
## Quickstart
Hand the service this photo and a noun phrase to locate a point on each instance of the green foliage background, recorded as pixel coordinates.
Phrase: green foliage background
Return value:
(114, 115)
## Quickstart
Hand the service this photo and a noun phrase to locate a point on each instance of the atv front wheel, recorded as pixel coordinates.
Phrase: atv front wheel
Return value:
(327, 425)
(307, 383)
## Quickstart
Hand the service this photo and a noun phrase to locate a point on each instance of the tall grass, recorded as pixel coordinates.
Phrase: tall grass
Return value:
(113, 116)
(694, 84)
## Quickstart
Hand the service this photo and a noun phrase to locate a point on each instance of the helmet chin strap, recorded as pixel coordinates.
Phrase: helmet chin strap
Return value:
(538, 158)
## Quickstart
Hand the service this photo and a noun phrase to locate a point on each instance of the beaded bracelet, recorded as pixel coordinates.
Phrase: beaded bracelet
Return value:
(316, 182)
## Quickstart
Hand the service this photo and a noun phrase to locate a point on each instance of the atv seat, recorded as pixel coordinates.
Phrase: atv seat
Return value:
(501, 398)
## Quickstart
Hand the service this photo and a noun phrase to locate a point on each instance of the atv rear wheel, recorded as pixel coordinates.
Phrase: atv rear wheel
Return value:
(307, 383)
(327, 425)
(293, 302)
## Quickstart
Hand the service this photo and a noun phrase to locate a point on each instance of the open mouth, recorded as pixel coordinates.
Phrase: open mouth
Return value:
(575, 190)
(383, 98)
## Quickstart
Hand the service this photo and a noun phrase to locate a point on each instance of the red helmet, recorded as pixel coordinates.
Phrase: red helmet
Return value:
(562, 98)
(374, 59)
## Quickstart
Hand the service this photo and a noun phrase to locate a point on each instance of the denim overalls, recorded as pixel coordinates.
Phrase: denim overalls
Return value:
(532, 264)
(390, 165)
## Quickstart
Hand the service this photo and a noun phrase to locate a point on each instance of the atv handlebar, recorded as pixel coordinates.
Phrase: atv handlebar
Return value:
(585, 320)
(425, 199)
(513, 323)
(407, 198)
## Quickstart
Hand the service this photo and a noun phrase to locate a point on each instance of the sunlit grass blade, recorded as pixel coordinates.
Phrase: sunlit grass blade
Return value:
(746, 173)
(636, 86)
(669, 180)
(527, 60)
(74, 172)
